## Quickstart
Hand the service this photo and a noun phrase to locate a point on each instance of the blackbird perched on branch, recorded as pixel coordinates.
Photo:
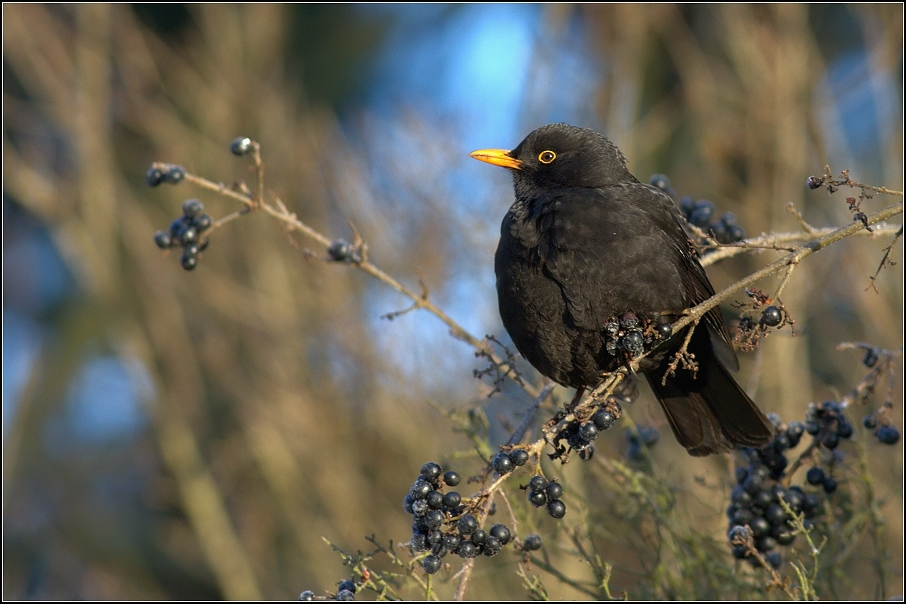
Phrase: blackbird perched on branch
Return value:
(586, 245)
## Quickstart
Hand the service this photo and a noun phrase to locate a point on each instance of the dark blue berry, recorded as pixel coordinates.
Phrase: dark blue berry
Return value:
(340, 250)
(240, 145)
(519, 457)
(665, 330)
(557, 509)
(492, 546)
(345, 596)
(844, 428)
(870, 421)
(702, 213)
(661, 182)
(765, 544)
(435, 500)
(888, 435)
(633, 343)
(742, 516)
(163, 240)
(813, 182)
(740, 497)
(452, 499)
(203, 222)
(735, 233)
(307, 596)
(432, 564)
(467, 550)
(501, 533)
(451, 478)
(537, 498)
(771, 316)
(177, 226)
(188, 262)
(479, 537)
(686, 204)
(811, 504)
(775, 514)
(347, 585)
(502, 464)
(588, 432)
(830, 440)
(738, 532)
(174, 175)
(815, 476)
(430, 472)
(420, 489)
(603, 419)
(532, 542)
(467, 524)
(452, 541)
(154, 177)
(760, 527)
(192, 208)
(188, 234)
(775, 559)
(554, 490)
(829, 484)
(419, 507)
(537, 483)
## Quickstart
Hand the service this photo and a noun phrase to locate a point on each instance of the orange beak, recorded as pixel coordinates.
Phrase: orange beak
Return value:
(497, 157)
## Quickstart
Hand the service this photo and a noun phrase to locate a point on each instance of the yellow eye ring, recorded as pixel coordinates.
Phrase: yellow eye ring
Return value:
(546, 157)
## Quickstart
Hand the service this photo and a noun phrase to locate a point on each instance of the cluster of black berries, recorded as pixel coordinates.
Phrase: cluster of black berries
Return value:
(771, 316)
(632, 336)
(642, 436)
(186, 231)
(885, 432)
(541, 493)
(580, 435)
(505, 462)
(828, 425)
(441, 523)
(345, 593)
(750, 331)
(702, 214)
(755, 510)
(168, 173)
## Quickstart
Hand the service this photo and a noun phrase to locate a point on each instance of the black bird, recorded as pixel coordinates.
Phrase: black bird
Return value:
(584, 244)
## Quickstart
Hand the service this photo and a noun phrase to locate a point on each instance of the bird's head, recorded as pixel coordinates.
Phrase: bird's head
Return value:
(557, 156)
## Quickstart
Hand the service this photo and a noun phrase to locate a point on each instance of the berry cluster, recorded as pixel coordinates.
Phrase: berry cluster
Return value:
(442, 524)
(630, 336)
(541, 493)
(186, 231)
(167, 173)
(755, 510)
(885, 432)
(750, 330)
(579, 435)
(702, 214)
(345, 593)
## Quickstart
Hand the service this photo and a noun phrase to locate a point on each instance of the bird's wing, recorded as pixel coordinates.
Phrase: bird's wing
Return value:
(622, 249)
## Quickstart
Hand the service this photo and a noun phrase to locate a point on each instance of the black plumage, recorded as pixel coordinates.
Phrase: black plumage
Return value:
(584, 243)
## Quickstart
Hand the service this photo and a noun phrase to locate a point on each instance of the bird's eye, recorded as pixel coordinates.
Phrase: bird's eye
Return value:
(546, 157)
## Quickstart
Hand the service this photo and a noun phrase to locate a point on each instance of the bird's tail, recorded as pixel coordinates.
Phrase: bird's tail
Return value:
(709, 413)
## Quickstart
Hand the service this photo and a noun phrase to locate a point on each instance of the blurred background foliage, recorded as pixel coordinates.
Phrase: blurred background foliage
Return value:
(195, 435)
